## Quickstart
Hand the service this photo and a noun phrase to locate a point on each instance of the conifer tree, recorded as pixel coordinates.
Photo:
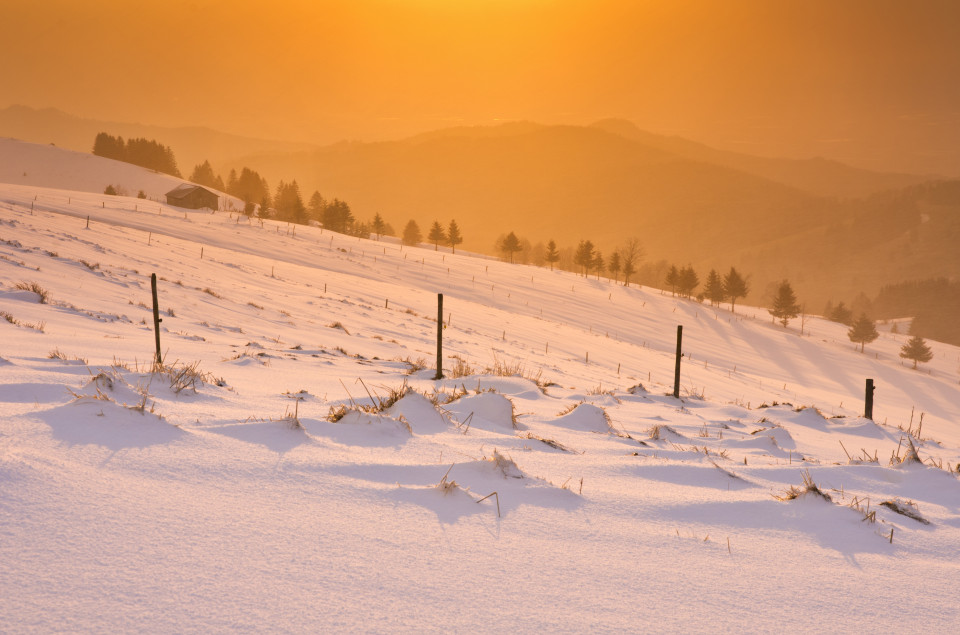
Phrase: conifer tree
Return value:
(509, 245)
(552, 256)
(841, 314)
(672, 279)
(411, 234)
(203, 175)
(734, 286)
(584, 255)
(785, 306)
(614, 266)
(377, 225)
(687, 281)
(863, 331)
(454, 237)
(917, 350)
(315, 206)
(714, 289)
(337, 216)
(436, 235)
(598, 263)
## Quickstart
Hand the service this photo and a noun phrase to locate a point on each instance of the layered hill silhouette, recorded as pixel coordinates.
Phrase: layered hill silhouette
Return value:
(191, 145)
(832, 229)
(825, 225)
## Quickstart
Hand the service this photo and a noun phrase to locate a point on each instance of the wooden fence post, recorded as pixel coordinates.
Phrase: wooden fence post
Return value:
(439, 336)
(868, 400)
(156, 316)
(676, 371)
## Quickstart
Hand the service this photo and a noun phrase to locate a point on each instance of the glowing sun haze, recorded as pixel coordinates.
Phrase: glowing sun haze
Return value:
(867, 81)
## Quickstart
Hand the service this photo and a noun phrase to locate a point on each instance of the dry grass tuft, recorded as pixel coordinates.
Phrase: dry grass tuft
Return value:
(34, 287)
(413, 365)
(507, 466)
(808, 487)
(338, 325)
(460, 368)
(181, 376)
(905, 508)
(550, 442)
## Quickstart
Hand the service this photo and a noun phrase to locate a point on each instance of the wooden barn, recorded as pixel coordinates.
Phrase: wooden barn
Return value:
(192, 196)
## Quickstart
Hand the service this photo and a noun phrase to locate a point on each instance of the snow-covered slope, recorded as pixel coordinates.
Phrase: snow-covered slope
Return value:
(40, 165)
(310, 477)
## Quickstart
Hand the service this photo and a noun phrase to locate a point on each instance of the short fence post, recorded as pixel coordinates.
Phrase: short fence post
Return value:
(439, 336)
(156, 315)
(868, 400)
(676, 371)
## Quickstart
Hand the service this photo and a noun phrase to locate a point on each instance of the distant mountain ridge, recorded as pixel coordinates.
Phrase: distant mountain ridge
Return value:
(191, 145)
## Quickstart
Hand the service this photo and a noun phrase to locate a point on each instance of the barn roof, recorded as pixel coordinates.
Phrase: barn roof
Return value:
(185, 189)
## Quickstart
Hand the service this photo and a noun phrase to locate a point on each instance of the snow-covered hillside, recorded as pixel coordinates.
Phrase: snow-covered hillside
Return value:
(294, 466)
(40, 165)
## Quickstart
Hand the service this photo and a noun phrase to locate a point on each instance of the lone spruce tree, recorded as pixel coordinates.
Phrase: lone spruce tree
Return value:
(917, 350)
(378, 225)
(734, 286)
(584, 256)
(436, 235)
(863, 331)
(673, 279)
(714, 290)
(785, 306)
(411, 234)
(614, 266)
(552, 256)
(454, 237)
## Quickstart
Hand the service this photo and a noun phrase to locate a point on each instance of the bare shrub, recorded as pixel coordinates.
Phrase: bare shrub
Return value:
(460, 368)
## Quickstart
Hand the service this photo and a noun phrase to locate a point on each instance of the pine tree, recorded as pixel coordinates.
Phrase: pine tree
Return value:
(785, 305)
(687, 281)
(598, 263)
(378, 225)
(584, 255)
(203, 175)
(917, 350)
(734, 286)
(436, 235)
(672, 279)
(337, 216)
(264, 211)
(316, 206)
(714, 289)
(841, 314)
(552, 256)
(411, 234)
(454, 237)
(614, 266)
(509, 245)
(863, 331)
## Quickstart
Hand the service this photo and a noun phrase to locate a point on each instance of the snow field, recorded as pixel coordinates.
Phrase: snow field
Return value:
(129, 504)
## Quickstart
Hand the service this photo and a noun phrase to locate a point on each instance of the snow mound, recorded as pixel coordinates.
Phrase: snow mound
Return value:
(488, 411)
(585, 417)
(419, 412)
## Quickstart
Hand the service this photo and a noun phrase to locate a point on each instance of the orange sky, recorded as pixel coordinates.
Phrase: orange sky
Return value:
(872, 82)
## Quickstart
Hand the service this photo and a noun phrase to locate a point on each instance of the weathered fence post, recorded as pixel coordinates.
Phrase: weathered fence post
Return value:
(156, 315)
(868, 400)
(439, 336)
(676, 371)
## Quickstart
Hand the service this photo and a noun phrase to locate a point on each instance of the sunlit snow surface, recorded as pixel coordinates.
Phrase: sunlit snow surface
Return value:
(126, 505)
